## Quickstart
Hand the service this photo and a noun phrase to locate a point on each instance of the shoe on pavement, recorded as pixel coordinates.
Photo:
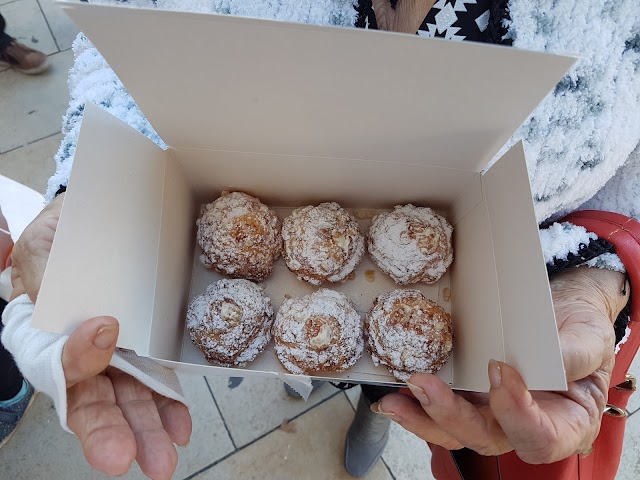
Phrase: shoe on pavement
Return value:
(10, 415)
(366, 439)
(24, 59)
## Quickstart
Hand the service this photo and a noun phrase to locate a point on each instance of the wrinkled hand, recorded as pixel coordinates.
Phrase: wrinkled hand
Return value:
(116, 418)
(542, 427)
(31, 251)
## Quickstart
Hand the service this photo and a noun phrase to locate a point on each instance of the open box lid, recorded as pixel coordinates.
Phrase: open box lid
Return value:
(205, 81)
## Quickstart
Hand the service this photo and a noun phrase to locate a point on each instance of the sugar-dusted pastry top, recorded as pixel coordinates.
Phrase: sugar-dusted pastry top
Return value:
(318, 332)
(231, 322)
(408, 333)
(411, 244)
(322, 244)
(239, 236)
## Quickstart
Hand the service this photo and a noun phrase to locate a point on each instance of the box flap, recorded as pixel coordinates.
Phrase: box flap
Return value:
(475, 300)
(176, 246)
(291, 180)
(531, 340)
(240, 84)
(108, 234)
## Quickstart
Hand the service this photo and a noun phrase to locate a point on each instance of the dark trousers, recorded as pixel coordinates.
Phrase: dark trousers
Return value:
(10, 377)
(374, 393)
(5, 39)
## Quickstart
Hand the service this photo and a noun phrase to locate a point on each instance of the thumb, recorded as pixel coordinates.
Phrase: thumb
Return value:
(587, 340)
(528, 427)
(89, 349)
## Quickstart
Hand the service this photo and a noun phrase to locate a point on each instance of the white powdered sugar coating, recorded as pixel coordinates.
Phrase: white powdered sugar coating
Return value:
(231, 322)
(322, 243)
(408, 333)
(411, 244)
(318, 332)
(239, 236)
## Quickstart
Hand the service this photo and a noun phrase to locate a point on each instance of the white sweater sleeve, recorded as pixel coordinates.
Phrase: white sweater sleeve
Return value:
(621, 194)
(38, 355)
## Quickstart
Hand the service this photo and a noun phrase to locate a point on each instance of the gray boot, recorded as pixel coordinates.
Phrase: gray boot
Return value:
(366, 439)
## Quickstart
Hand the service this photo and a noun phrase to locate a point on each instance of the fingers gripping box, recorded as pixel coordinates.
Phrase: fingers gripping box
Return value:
(299, 114)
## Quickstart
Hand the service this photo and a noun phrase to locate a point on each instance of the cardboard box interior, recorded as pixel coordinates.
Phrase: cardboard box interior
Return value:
(285, 112)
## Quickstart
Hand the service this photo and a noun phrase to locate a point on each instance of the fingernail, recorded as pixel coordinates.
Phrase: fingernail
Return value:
(419, 393)
(375, 408)
(495, 374)
(105, 337)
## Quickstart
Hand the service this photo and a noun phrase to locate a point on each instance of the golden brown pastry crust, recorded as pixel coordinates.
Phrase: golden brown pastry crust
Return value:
(318, 332)
(231, 322)
(408, 333)
(239, 236)
(411, 244)
(322, 244)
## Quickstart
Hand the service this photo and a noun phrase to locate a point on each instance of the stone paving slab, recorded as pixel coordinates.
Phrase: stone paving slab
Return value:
(32, 105)
(309, 447)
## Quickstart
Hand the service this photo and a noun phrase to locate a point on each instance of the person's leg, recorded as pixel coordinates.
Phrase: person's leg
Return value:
(373, 393)
(10, 377)
(368, 434)
(5, 39)
(19, 56)
(15, 392)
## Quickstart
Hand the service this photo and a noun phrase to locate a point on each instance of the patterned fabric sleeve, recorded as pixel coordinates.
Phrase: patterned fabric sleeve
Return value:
(474, 20)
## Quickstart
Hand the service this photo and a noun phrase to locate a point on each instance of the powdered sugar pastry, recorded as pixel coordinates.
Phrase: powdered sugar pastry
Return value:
(408, 333)
(231, 322)
(322, 243)
(239, 236)
(411, 244)
(318, 332)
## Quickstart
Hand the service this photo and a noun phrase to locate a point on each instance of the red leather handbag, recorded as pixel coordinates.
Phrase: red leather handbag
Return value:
(601, 463)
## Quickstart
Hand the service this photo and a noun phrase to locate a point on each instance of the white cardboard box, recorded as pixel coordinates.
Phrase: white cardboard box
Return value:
(298, 114)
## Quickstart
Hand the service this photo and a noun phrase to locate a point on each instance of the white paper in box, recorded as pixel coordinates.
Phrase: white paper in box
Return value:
(298, 114)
